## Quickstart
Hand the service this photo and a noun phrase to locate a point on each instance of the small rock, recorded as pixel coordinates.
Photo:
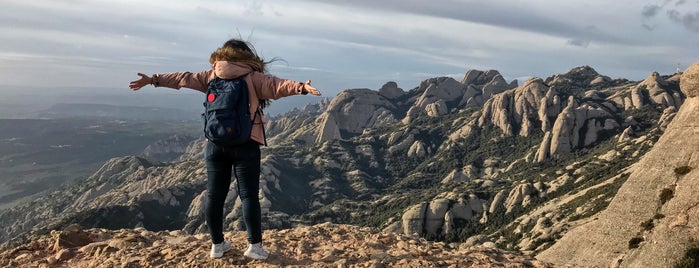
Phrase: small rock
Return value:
(119, 244)
(71, 236)
(65, 254)
(22, 256)
(489, 244)
(51, 260)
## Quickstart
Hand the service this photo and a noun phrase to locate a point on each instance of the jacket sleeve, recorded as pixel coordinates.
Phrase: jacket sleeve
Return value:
(271, 87)
(196, 81)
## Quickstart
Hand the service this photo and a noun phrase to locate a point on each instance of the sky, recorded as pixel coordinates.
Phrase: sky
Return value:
(343, 44)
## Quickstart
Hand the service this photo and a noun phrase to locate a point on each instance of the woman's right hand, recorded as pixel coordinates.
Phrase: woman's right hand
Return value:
(143, 81)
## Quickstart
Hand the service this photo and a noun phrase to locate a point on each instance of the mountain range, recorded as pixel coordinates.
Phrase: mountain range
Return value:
(549, 168)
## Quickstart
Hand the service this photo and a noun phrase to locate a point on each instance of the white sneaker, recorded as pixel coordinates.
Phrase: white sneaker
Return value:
(255, 251)
(217, 250)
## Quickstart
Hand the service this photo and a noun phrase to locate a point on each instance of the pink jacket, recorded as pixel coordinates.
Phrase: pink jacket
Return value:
(260, 86)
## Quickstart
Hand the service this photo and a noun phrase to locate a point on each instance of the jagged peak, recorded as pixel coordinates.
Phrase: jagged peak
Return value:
(653, 79)
(533, 81)
(582, 76)
(582, 70)
(479, 77)
(391, 90)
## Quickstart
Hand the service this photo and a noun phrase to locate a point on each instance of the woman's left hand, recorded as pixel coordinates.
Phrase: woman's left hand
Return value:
(310, 89)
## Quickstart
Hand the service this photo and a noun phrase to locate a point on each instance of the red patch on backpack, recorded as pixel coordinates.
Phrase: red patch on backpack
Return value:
(211, 97)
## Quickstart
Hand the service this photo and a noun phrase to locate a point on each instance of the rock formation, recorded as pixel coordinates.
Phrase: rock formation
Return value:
(653, 219)
(352, 111)
(168, 149)
(515, 111)
(437, 216)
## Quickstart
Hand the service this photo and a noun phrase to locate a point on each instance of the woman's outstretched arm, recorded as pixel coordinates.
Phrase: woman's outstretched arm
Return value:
(141, 82)
(196, 81)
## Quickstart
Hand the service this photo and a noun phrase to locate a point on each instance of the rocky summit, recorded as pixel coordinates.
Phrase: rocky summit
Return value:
(324, 245)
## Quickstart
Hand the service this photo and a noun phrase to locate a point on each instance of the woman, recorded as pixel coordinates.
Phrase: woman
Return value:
(234, 59)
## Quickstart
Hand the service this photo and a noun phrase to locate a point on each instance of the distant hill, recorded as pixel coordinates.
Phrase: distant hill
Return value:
(41, 154)
(89, 110)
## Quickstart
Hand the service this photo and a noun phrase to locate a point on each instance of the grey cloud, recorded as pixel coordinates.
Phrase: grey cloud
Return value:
(579, 43)
(489, 13)
(688, 20)
(680, 2)
(648, 27)
(650, 11)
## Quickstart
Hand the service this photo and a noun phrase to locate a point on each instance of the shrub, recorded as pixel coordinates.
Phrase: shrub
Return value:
(690, 259)
(666, 195)
(682, 170)
(647, 225)
(634, 242)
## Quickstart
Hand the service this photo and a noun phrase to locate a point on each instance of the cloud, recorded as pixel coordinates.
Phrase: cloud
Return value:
(688, 20)
(648, 27)
(492, 13)
(578, 43)
(649, 11)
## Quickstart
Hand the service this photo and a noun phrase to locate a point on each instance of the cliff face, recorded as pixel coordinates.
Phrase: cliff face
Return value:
(654, 218)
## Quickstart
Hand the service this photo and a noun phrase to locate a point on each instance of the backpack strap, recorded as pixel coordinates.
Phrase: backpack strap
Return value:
(264, 135)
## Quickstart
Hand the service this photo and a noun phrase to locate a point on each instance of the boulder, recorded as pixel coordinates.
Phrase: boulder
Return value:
(352, 111)
(414, 219)
(391, 90)
(71, 237)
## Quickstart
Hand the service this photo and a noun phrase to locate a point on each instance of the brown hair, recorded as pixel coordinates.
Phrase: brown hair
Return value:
(240, 51)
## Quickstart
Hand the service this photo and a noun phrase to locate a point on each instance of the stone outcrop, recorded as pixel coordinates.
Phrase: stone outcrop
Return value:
(514, 111)
(578, 77)
(438, 216)
(351, 112)
(168, 149)
(481, 86)
(391, 90)
(518, 197)
(658, 92)
(296, 126)
(654, 218)
(566, 132)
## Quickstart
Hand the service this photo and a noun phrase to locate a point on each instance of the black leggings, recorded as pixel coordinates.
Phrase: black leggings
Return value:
(220, 160)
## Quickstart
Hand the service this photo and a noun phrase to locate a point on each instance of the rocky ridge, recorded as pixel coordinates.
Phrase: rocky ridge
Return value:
(324, 245)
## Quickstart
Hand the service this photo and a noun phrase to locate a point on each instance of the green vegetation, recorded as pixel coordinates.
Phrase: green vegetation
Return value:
(635, 242)
(691, 257)
(647, 225)
(666, 195)
(682, 170)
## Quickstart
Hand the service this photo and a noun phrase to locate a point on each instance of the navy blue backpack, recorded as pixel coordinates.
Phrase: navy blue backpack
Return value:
(227, 119)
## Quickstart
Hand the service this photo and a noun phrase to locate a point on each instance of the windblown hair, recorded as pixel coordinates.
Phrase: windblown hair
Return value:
(240, 51)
